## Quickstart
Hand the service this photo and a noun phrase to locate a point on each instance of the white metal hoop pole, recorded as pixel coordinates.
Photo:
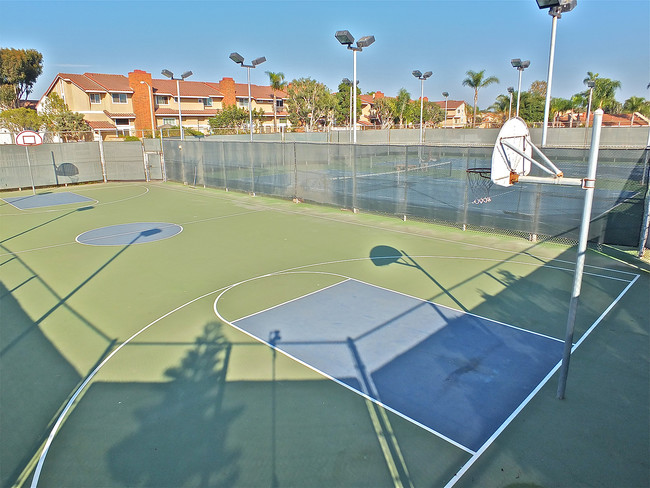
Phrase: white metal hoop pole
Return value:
(582, 250)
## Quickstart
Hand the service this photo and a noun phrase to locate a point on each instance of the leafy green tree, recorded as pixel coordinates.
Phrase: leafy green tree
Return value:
(310, 102)
(539, 87)
(477, 80)
(431, 113)
(401, 105)
(633, 105)
(343, 104)
(277, 84)
(19, 69)
(384, 112)
(62, 121)
(531, 107)
(16, 120)
(230, 117)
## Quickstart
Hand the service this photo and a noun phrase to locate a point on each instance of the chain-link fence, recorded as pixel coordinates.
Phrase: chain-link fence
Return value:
(408, 181)
(426, 183)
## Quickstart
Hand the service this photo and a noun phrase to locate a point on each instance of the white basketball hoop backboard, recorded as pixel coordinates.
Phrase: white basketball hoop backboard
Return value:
(29, 138)
(513, 141)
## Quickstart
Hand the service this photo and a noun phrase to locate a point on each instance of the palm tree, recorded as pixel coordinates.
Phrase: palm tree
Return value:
(277, 83)
(604, 92)
(501, 105)
(476, 80)
(633, 105)
(559, 105)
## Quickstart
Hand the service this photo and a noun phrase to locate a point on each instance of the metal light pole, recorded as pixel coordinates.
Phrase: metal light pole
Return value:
(556, 8)
(520, 66)
(418, 74)
(153, 128)
(591, 85)
(446, 95)
(510, 91)
(237, 58)
(170, 75)
(345, 38)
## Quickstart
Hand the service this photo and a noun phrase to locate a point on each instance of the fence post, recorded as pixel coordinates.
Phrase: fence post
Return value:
(102, 159)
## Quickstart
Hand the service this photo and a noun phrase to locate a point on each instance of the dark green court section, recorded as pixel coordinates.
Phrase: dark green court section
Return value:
(193, 402)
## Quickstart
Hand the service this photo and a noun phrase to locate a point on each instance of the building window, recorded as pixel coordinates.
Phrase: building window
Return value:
(207, 102)
(121, 121)
(169, 121)
(279, 102)
(162, 100)
(242, 102)
(95, 98)
(119, 97)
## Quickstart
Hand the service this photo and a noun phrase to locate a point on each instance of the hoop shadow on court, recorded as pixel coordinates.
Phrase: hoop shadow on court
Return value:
(386, 255)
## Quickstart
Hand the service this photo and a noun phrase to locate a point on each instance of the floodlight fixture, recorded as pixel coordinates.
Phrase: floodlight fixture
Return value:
(237, 58)
(445, 94)
(511, 90)
(418, 74)
(346, 81)
(344, 37)
(520, 66)
(365, 41)
(170, 75)
(591, 84)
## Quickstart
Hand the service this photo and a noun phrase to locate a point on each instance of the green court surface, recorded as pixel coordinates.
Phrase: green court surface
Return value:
(117, 372)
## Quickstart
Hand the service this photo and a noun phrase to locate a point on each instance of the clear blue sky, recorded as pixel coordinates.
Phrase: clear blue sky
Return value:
(448, 37)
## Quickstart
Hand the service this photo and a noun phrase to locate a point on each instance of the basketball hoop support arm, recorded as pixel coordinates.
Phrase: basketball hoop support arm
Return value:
(558, 175)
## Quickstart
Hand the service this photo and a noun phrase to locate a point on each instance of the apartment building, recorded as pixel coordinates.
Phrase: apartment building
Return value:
(128, 105)
(456, 116)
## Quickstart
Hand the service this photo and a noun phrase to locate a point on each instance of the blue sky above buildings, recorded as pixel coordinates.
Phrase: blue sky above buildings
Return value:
(448, 37)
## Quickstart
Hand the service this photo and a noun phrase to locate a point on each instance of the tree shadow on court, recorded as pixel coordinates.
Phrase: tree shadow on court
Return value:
(182, 440)
(36, 380)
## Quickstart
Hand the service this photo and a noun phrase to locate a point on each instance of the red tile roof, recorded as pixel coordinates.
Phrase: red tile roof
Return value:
(184, 112)
(189, 89)
(82, 81)
(100, 125)
(111, 83)
(451, 104)
(258, 92)
(117, 115)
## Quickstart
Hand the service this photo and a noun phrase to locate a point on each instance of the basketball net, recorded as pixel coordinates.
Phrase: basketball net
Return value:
(479, 182)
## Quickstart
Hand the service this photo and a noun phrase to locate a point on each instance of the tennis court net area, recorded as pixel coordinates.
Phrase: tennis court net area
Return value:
(170, 335)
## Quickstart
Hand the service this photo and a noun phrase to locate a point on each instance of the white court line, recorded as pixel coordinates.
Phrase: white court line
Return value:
(322, 373)
(90, 242)
(507, 422)
(93, 373)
